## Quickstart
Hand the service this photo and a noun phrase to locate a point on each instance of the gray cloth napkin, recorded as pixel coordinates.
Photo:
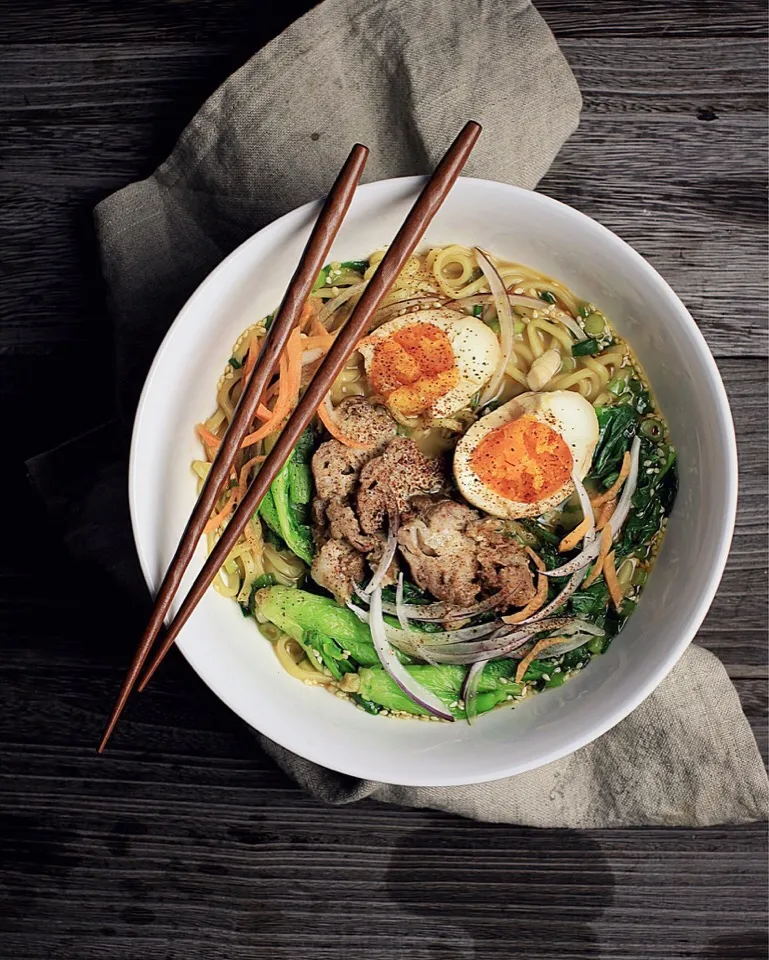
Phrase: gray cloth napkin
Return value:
(401, 76)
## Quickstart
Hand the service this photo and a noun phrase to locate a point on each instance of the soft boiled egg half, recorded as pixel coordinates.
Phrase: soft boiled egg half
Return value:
(517, 461)
(430, 363)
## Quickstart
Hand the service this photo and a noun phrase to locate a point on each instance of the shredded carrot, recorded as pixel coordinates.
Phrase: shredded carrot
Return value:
(614, 489)
(272, 389)
(218, 518)
(532, 655)
(327, 419)
(248, 369)
(263, 413)
(322, 341)
(606, 514)
(610, 575)
(243, 479)
(234, 497)
(308, 314)
(571, 540)
(317, 328)
(208, 438)
(539, 597)
(598, 565)
(289, 374)
(294, 372)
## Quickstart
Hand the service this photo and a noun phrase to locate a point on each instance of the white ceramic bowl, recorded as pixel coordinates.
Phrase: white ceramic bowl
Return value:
(238, 664)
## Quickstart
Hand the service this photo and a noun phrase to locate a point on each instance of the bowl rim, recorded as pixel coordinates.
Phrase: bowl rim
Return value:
(720, 555)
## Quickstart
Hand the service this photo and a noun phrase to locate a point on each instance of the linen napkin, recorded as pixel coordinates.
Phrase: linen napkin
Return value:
(401, 76)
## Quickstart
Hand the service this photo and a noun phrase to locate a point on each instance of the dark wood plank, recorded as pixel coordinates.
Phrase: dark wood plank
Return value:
(72, 83)
(239, 21)
(246, 866)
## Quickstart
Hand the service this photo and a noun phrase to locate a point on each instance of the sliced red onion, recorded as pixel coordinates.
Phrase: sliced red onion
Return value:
(585, 504)
(408, 295)
(504, 648)
(412, 641)
(400, 611)
(576, 579)
(530, 303)
(463, 634)
(470, 689)
(620, 515)
(331, 306)
(445, 638)
(501, 644)
(517, 645)
(438, 611)
(582, 626)
(581, 635)
(571, 325)
(387, 555)
(553, 651)
(590, 552)
(557, 602)
(399, 674)
(480, 299)
(506, 324)
(396, 309)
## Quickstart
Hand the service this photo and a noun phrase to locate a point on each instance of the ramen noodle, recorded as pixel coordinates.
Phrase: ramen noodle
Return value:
(475, 511)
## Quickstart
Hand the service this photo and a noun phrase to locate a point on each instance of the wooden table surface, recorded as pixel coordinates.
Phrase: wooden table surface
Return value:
(185, 843)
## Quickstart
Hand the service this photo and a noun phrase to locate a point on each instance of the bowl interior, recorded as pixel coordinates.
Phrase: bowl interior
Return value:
(239, 665)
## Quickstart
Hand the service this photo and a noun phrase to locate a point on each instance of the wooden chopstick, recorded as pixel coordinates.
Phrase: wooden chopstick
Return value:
(409, 235)
(311, 263)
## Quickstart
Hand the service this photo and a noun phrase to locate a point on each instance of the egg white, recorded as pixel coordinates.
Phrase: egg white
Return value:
(476, 353)
(566, 412)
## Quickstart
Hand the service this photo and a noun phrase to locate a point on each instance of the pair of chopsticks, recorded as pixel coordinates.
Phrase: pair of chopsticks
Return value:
(312, 261)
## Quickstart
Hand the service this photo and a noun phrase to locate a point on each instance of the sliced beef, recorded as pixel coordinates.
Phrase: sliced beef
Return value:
(337, 566)
(343, 525)
(440, 553)
(342, 545)
(365, 422)
(456, 555)
(503, 566)
(335, 469)
(388, 480)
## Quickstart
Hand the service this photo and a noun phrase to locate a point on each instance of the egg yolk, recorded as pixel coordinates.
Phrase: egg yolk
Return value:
(414, 367)
(524, 460)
